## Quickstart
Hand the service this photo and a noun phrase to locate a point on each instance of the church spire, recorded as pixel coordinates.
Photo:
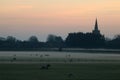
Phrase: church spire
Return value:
(96, 30)
(96, 25)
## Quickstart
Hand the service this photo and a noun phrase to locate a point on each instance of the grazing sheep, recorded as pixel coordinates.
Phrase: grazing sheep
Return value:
(36, 54)
(70, 75)
(41, 55)
(14, 59)
(46, 66)
(71, 60)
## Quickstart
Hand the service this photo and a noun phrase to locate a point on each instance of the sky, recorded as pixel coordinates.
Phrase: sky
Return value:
(25, 18)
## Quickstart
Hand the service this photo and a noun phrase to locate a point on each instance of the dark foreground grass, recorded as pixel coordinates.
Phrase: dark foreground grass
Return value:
(83, 71)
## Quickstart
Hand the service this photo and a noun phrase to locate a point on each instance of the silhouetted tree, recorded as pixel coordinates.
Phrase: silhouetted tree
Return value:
(33, 39)
(33, 42)
(54, 41)
(114, 43)
(10, 42)
(11, 39)
(2, 39)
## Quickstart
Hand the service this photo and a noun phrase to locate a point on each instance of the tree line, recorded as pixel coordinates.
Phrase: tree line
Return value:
(73, 40)
(11, 43)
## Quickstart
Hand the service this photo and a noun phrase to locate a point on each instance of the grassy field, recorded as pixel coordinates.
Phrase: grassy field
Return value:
(81, 71)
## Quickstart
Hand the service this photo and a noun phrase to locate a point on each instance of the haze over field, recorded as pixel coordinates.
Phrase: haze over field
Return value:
(23, 18)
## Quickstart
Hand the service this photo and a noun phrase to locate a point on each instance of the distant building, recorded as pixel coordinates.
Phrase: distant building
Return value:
(92, 39)
(96, 30)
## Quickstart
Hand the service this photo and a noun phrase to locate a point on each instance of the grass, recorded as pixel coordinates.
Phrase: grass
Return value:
(83, 71)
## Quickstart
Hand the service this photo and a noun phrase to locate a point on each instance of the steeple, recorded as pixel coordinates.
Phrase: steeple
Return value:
(96, 25)
(96, 30)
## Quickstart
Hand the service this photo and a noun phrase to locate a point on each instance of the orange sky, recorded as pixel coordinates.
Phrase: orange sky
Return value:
(23, 18)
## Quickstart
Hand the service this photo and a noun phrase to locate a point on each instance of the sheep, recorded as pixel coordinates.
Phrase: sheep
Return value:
(70, 75)
(46, 66)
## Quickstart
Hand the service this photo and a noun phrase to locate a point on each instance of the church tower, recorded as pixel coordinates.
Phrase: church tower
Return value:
(96, 30)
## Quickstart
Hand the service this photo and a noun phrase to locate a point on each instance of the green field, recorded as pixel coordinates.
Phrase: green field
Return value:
(61, 71)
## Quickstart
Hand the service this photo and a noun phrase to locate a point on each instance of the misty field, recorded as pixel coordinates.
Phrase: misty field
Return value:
(64, 66)
(62, 57)
(83, 71)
